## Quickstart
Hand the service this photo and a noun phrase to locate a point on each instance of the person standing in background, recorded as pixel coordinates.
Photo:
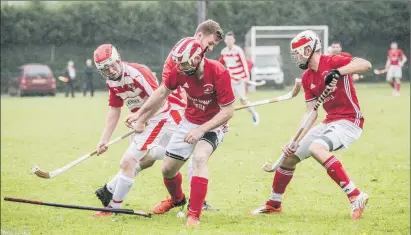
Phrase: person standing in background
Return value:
(88, 78)
(70, 73)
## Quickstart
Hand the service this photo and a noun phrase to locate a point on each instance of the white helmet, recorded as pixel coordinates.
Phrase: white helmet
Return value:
(105, 56)
(307, 38)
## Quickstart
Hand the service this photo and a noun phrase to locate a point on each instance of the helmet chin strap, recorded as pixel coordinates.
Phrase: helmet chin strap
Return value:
(305, 66)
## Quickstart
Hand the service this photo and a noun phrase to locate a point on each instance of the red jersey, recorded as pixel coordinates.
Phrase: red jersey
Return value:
(234, 60)
(346, 54)
(395, 55)
(135, 86)
(205, 95)
(339, 104)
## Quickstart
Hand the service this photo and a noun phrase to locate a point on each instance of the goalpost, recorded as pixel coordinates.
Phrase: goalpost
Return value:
(280, 36)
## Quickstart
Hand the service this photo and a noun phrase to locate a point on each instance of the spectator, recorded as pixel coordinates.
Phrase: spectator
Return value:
(70, 73)
(88, 78)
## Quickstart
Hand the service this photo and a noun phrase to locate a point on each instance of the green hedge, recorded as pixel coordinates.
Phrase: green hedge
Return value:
(144, 32)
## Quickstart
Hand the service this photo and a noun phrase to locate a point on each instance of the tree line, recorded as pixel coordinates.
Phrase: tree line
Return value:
(146, 31)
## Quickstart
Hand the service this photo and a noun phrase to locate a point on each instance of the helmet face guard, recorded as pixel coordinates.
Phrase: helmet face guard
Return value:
(301, 60)
(184, 53)
(107, 71)
(299, 43)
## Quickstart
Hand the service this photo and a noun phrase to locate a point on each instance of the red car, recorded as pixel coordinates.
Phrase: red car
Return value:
(33, 79)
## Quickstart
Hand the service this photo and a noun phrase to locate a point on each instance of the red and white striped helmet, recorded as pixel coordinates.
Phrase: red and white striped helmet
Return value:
(307, 38)
(184, 52)
(104, 56)
(304, 39)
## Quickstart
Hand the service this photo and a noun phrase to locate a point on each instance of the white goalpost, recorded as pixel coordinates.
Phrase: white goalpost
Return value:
(263, 43)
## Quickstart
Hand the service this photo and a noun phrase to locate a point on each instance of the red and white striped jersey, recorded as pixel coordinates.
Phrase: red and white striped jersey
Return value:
(235, 62)
(177, 98)
(342, 103)
(395, 56)
(135, 86)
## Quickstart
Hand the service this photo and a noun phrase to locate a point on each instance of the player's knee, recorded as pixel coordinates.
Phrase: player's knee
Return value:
(127, 164)
(318, 146)
(168, 171)
(199, 161)
(291, 161)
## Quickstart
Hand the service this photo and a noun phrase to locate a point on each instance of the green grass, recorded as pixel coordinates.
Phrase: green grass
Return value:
(53, 131)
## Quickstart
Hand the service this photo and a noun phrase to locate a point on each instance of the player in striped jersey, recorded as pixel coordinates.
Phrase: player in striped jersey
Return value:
(233, 58)
(130, 84)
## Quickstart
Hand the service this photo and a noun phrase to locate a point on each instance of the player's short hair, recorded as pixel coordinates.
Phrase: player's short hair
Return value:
(336, 42)
(231, 33)
(209, 27)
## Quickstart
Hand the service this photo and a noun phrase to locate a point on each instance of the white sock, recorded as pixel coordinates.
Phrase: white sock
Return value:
(137, 170)
(111, 185)
(252, 111)
(190, 171)
(278, 197)
(123, 186)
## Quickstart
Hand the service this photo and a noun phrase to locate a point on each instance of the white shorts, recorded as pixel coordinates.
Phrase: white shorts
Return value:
(334, 135)
(180, 150)
(394, 72)
(239, 89)
(157, 132)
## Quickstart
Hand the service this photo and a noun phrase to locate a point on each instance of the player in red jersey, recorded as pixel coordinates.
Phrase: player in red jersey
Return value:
(208, 34)
(210, 101)
(131, 84)
(341, 127)
(233, 58)
(336, 49)
(395, 61)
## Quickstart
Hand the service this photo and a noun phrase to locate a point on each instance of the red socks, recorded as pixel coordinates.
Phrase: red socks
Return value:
(198, 193)
(174, 188)
(397, 86)
(282, 178)
(337, 173)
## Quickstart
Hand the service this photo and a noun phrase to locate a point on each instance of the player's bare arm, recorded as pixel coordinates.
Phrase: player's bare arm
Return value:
(403, 60)
(149, 109)
(225, 114)
(357, 65)
(113, 115)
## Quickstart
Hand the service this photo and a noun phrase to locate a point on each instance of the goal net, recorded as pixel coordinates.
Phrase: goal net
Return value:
(262, 43)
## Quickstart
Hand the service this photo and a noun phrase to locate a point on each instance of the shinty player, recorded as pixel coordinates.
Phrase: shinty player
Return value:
(210, 101)
(341, 127)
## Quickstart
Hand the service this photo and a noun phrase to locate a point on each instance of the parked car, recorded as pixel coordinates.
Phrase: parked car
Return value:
(268, 68)
(33, 79)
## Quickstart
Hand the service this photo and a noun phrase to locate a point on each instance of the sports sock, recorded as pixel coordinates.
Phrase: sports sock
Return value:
(123, 186)
(174, 187)
(198, 193)
(111, 185)
(336, 171)
(282, 178)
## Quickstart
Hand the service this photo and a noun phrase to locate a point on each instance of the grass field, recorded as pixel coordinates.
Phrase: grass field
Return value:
(52, 131)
